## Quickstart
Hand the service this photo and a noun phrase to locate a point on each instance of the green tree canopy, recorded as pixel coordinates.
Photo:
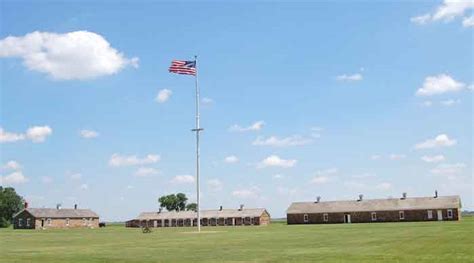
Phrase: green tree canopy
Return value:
(10, 203)
(173, 202)
(191, 207)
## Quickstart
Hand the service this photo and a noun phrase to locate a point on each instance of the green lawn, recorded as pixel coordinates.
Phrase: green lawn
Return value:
(383, 242)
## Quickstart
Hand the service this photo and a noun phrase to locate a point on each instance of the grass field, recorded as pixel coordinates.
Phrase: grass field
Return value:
(384, 242)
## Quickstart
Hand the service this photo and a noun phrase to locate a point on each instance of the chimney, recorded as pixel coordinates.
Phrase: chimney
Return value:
(361, 197)
(404, 196)
(58, 206)
(436, 194)
(159, 210)
(75, 206)
(318, 198)
(26, 205)
(220, 208)
(241, 207)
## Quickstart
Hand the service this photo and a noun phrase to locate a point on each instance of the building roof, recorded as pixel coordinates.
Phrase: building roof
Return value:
(59, 213)
(246, 212)
(390, 204)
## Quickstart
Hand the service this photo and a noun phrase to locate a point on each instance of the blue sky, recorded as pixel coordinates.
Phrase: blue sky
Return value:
(299, 100)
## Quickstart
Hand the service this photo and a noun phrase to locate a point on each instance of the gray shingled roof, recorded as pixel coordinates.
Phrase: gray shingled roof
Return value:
(59, 213)
(246, 212)
(413, 203)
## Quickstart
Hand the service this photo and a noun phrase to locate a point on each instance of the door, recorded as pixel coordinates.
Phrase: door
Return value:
(440, 215)
(347, 218)
(42, 222)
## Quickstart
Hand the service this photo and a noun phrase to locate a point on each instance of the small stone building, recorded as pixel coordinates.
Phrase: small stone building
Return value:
(404, 209)
(219, 217)
(45, 218)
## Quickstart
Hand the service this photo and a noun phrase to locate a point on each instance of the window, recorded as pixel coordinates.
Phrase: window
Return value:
(28, 221)
(325, 217)
(67, 221)
(402, 215)
(84, 221)
(49, 221)
(305, 218)
(450, 213)
(374, 216)
(430, 214)
(20, 222)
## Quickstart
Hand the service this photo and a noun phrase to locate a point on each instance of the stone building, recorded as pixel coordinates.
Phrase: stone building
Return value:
(404, 209)
(218, 217)
(45, 218)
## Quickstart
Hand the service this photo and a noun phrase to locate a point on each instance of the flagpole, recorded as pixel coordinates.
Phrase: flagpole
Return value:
(197, 130)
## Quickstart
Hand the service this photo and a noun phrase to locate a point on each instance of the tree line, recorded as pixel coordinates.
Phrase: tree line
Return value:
(10, 204)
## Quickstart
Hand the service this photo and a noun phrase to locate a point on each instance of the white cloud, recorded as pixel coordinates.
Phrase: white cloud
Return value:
(448, 169)
(75, 176)
(38, 134)
(12, 165)
(295, 140)
(441, 140)
(250, 193)
(446, 12)
(324, 176)
(10, 136)
(276, 161)
(451, 9)
(433, 159)
(206, 100)
(256, 126)
(215, 184)
(231, 159)
(383, 186)
(84, 187)
(450, 102)
(468, 21)
(421, 20)
(350, 77)
(183, 179)
(88, 134)
(440, 84)
(74, 55)
(16, 177)
(145, 171)
(117, 160)
(396, 157)
(163, 95)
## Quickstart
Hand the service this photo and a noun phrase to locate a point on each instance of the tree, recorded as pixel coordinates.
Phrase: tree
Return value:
(173, 202)
(191, 207)
(10, 203)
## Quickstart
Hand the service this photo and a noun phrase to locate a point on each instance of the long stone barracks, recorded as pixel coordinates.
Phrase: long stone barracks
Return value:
(404, 209)
(44, 218)
(220, 217)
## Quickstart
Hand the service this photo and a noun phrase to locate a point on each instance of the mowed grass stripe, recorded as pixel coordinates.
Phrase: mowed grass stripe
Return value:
(381, 242)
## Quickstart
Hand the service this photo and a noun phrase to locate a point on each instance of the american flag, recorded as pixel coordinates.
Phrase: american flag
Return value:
(183, 67)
